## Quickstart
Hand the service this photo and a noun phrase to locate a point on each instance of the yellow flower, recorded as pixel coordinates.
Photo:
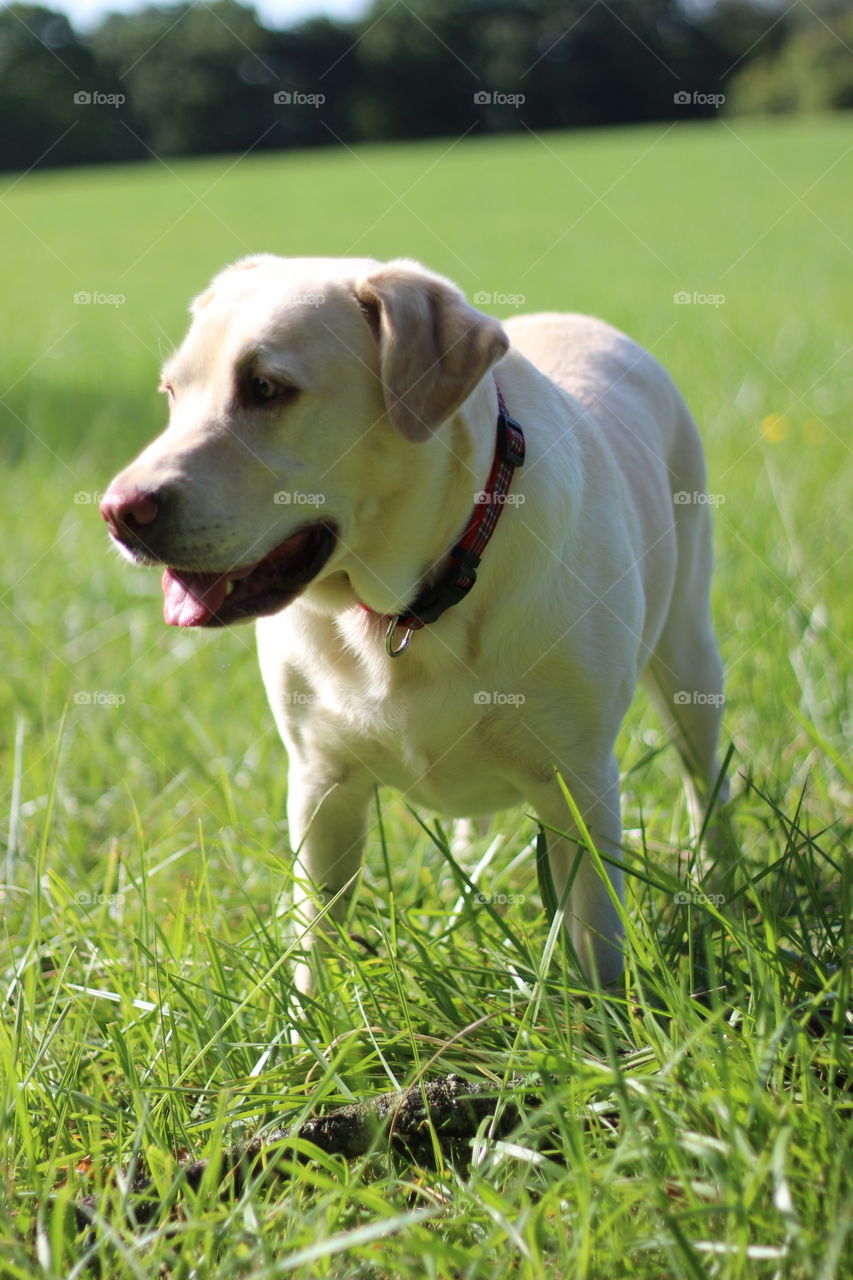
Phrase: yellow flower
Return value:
(774, 428)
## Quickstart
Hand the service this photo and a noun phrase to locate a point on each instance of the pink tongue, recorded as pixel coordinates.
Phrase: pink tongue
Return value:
(191, 599)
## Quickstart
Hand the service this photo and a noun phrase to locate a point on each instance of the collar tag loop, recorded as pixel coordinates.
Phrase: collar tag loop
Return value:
(390, 649)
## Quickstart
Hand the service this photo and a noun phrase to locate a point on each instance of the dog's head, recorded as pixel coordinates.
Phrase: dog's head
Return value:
(301, 400)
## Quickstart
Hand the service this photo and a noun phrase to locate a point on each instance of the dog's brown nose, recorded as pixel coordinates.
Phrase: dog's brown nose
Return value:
(127, 510)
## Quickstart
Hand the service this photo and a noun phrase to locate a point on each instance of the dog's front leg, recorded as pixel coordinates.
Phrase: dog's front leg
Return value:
(589, 912)
(328, 822)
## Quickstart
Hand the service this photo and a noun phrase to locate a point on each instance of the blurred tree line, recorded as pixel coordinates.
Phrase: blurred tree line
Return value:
(193, 79)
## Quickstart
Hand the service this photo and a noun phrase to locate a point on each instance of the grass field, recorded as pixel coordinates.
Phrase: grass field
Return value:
(697, 1124)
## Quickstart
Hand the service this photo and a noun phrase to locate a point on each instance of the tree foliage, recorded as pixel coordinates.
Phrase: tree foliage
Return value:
(811, 71)
(191, 79)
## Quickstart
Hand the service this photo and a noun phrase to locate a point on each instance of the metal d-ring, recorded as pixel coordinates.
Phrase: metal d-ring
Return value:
(389, 638)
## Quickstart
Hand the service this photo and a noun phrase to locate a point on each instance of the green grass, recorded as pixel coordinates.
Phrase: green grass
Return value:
(697, 1125)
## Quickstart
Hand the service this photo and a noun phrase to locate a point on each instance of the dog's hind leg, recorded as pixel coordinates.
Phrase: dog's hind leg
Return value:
(590, 915)
(684, 676)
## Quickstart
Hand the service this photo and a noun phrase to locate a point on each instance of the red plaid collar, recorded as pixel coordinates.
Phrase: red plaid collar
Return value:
(461, 572)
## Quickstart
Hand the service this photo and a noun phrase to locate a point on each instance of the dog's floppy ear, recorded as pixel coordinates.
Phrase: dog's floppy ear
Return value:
(433, 347)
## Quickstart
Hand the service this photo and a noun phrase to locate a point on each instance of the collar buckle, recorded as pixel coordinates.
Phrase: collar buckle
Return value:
(510, 439)
(452, 587)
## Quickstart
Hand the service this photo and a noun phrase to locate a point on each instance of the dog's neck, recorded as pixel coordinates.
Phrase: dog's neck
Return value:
(410, 531)
(443, 586)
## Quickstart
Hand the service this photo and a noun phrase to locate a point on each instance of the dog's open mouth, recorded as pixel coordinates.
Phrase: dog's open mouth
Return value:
(251, 591)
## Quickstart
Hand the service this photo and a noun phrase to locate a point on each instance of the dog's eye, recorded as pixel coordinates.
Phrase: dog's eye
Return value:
(262, 390)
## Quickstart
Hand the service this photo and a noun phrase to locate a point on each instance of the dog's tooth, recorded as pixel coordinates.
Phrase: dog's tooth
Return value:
(229, 586)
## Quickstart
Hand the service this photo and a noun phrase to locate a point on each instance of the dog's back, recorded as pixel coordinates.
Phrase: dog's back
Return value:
(624, 389)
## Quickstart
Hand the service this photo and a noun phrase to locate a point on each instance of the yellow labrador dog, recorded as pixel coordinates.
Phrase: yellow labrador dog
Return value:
(464, 543)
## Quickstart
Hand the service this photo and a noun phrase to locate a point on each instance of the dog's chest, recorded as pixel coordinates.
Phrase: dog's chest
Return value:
(444, 745)
(459, 779)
